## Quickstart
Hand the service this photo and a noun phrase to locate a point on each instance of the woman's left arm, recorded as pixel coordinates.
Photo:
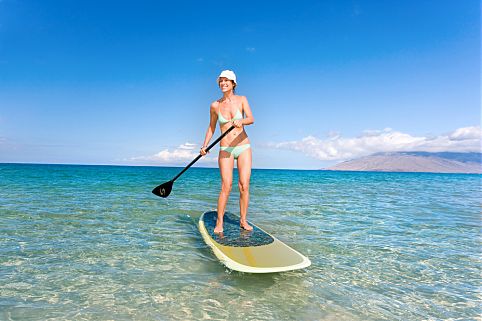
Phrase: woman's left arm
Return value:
(249, 119)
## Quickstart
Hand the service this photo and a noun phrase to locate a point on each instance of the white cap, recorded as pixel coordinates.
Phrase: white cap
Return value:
(229, 74)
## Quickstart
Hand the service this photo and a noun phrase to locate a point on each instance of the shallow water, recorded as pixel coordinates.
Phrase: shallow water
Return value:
(92, 243)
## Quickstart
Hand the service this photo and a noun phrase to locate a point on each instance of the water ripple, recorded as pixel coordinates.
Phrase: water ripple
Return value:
(92, 243)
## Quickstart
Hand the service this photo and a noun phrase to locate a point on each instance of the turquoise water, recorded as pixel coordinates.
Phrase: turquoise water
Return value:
(92, 243)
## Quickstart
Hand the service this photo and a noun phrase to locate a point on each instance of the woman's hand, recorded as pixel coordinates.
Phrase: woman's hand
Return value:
(203, 151)
(238, 123)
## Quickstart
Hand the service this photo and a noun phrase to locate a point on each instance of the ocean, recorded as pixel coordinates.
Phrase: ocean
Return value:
(93, 243)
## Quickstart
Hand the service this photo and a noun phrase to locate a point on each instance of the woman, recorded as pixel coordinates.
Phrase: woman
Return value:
(229, 111)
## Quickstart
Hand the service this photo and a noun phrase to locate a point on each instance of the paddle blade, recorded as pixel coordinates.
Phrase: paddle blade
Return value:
(163, 190)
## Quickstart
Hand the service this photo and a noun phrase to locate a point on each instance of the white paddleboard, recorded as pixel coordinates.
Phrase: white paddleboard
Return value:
(253, 251)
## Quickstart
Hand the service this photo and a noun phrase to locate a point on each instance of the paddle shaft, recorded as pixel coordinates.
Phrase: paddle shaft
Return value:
(207, 150)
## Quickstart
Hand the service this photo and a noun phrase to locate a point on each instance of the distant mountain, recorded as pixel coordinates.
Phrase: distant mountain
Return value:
(446, 162)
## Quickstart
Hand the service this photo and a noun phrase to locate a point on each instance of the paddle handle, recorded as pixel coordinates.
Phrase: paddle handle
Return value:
(207, 150)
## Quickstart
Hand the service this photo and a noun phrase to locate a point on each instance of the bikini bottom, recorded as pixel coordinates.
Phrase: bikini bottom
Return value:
(235, 150)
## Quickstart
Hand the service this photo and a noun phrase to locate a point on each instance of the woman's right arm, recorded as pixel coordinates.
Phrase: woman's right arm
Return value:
(213, 118)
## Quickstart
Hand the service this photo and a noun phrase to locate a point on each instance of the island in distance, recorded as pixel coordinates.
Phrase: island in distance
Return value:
(445, 162)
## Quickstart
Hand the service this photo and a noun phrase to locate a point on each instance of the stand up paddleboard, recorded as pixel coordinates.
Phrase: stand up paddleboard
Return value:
(249, 251)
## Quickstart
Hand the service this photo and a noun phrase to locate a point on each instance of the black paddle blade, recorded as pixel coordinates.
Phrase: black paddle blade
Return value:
(163, 190)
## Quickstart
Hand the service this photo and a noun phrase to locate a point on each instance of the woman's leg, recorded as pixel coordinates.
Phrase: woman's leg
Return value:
(226, 164)
(244, 171)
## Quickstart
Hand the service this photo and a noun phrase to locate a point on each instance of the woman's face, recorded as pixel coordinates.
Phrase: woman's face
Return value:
(225, 84)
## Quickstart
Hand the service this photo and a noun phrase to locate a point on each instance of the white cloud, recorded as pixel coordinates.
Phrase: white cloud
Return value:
(250, 49)
(180, 155)
(466, 133)
(336, 147)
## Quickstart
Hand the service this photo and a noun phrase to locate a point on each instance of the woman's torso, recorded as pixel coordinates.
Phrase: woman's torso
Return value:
(227, 111)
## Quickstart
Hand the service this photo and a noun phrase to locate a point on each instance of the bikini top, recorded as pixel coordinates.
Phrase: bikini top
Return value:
(223, 120)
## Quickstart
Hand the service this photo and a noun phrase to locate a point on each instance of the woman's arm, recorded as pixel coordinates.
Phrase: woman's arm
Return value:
(213, 118)
(249, 119)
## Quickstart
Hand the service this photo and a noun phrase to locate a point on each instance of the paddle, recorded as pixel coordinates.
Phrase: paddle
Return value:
(164, 190)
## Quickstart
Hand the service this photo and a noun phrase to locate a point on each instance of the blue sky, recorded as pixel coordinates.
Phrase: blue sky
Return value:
(109, 82)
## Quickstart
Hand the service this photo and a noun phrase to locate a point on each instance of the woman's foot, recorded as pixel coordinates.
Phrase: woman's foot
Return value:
(218, 229)
(245, 226)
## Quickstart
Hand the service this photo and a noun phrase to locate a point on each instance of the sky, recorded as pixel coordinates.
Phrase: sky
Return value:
(131, 82)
